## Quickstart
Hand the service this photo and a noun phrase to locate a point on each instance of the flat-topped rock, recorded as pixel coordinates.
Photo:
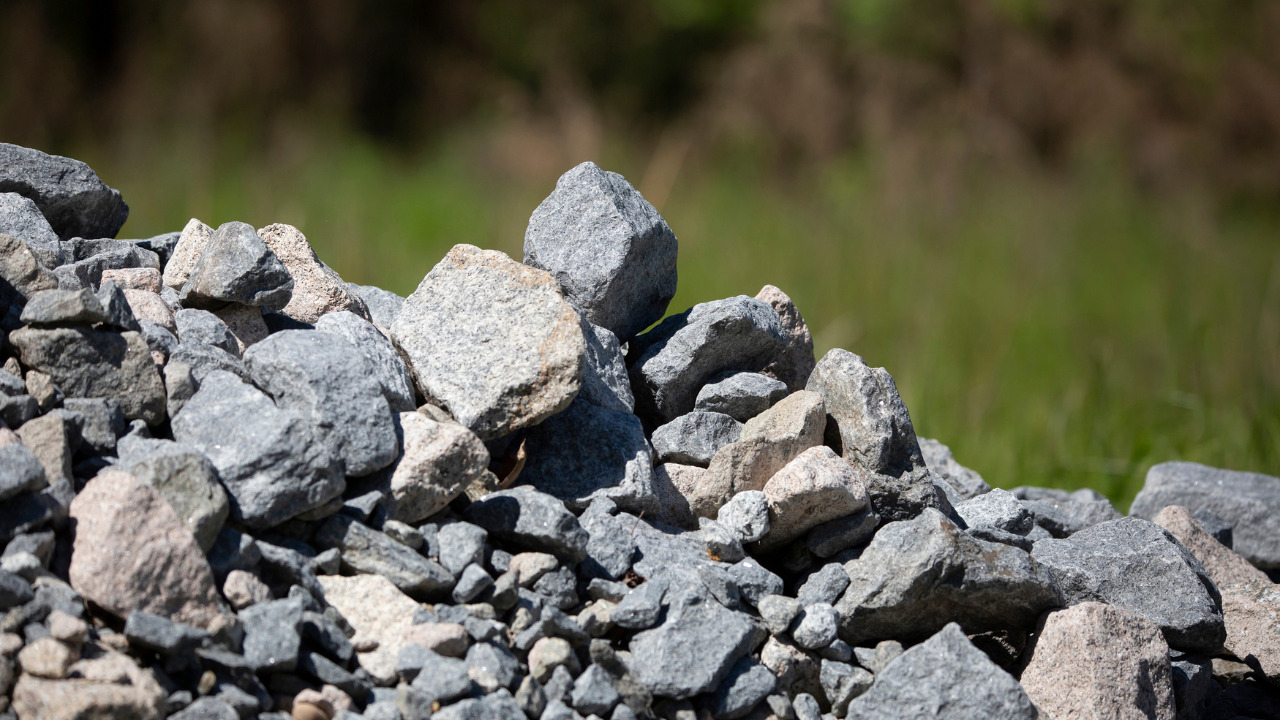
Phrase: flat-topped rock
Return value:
(236, 266)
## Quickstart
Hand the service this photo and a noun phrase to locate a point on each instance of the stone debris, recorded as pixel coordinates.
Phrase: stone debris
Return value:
(234, 486)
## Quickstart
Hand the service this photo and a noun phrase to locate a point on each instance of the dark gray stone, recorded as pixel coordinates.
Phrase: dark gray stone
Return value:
(918, 575)
(17, 410)
(442, 678)
(68, 192)
(693, 439)
(641, 607)
(116, 306)
(492, 666)
(694, 648)
(593, 692)
(833, 536)
(162, 635)
(273, 635)
(817, 628)
(945, 671)
(746, 686)
(201, 327)
(722, 544)
(841, 683)
(610, 250)
(236, 266)
(530, 520)
(185, 478)
(610, 549)
(89, 259)
(741, 395)
(389, 369)
(873, 427)
(1249, 502)
(203, 359)
(1136, 565)
(604, 371)
(938, 457)
(670, 363)
(21, 218)
(20, 471)
(84, 362)
(368, 551)
(461, 544)
(207, 708)
(14, 590)
(824, 586)
(285, 567)
(383, 305)
(233, 550)
(328, 672)
(471, 583)
(325, 380)
(11, 385)
(104, 421)
(63, 307)
(558, 586)
(997, 509)
(588, 452)
(1192, 685)
(325, 633)
(902, 497)
(272, 462)
(779, 612)
(746, 515)
(162, 245)
(1064, 513)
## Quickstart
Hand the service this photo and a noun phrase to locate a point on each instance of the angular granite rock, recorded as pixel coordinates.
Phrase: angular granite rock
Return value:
(186, 253)
(108, 687)
(693, 650)
(317, 289)
(693, 439)
(610, 250)
(795, 362)
(20, 218)
(1249, 502)
(89, 363)
(20, 471)
(769, 441)
(272, 461)
(604, 371)
(68, 192)
(492, 340)
(873, 425)
(132, 552)
(740, 395)
(378, 612)
(116, 305)
(203, 327)
(1098, 660)
(368, 551)
(997, 509)
(439, 461)
(187, 481)
(1250, 611)
(383, 305)
(389, 368)
(21, 274)
(943, 677)
(236, 266)
(1064, 513)
(1136, 565)
(588, 452)
(530, 519)
(63, 307)
(323, 379)
(670, 363)
(818, 486)
(939, 459)
(1223, 565)
(918, 575)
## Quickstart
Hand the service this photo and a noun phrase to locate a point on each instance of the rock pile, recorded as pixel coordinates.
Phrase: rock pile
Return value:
(234, 486)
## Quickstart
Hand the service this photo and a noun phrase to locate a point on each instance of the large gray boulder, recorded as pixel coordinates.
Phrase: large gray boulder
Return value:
(491, 340)
(587, 452)
(1137, 565)
(273, 462)
(918, 575)
(946, 678)
(609, 249)
(1249, 502)
(236, 266)
(388, 367)
(322, 378)
(68, 192)
(670, 363)
(874, 428)
(89, 363)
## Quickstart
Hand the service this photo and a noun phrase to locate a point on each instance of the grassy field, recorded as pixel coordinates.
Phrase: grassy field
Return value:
(1065, 331)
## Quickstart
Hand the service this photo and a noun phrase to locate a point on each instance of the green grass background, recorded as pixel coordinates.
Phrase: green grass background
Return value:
(1064, 330)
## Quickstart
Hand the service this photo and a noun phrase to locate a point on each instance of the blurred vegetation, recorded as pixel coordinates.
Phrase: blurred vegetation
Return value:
(1055, 222)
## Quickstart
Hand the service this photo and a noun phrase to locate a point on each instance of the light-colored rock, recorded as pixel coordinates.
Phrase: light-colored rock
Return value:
(47, 658)
(675, 484)
(379, 612)
(1224, 565)
(439, 461)
(816, 487)
(1098, 661)
(147, 305)
(191, 244)
(245, 323)
(317, 289)
(237, 267)
(795, 361)
(142, 278)
(492, 340)
(129, 693)
(131, 552)
(20, 269)
(243, 589)
(769, 441)
(1251, 613)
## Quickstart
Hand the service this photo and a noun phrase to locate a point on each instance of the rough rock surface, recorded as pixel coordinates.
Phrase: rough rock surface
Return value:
(939, 459)
(438, 462)
(381, 615)
(1138, 566)
(21, 274)
(20, 218)
(741, 395)
(693, 439)
(186, 253)
(1249, 502)
(513, 362)
(670, 363)
(610, 250)
(163, 570)
(816, 487)
(604, 371)
(317, 289)
(383, 305)
(918, 575)
(1098, 660)
(1251, 613)
(235, 266)
(186, 480)
(795, 362)
(388, 367)
(692, 651)
(69, 193)
(1223, 565)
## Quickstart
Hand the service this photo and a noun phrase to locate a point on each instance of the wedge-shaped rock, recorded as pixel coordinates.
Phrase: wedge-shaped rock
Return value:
(769, 441)
(1249, 502)
(89, 363)
(604, 371)
(670, 363)
(383, 305)
(317, 289)
(163, 572)
(322, 378)
(918, 575)
(795, 362)
(943, 677)
(21, 274)
(587, 452)
(378, 612)
(368, 551)
(872, 425)
(20, 471)
(68, 192)
(438, 463)
(63, 307)
(608, 248)
(1223, 565)
(187, 481)
(741, 395)
(693, 439)
(939, 459)
(1064, 513)
(532, 520)
(236, 266)
(1095, 660)
(186, 253)
(693, 650)
(389, 368)
(1136, 565)
(1250, 611)
(20, 218)
(492, 340)
(817, 487)
(273, 462)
